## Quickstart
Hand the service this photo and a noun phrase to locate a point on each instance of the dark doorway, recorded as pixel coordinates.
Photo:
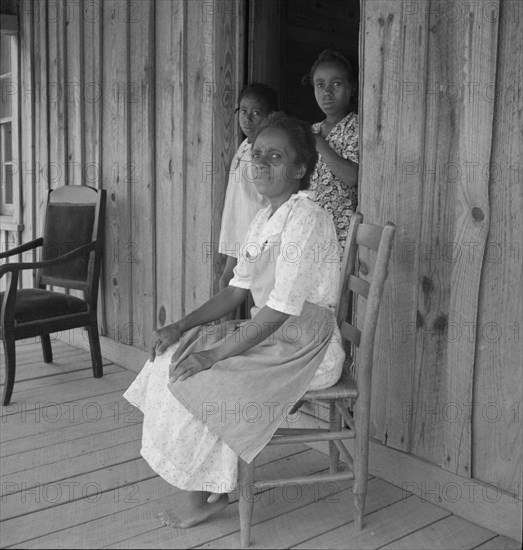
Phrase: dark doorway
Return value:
(286, 36)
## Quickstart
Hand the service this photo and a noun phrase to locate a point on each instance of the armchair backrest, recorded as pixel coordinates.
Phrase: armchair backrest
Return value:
(74, 217)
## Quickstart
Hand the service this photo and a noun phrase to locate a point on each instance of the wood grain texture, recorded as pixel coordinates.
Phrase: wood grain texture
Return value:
(426, 124)
(27, 161)
(140, 256)
(42, 157)
(170, 79)
(116, 166)
(55, 96)
(381, 527)
(227, 84)
(452, 532)
(455, 216)
(390, 129)
(87, 486)
(497, 434)
(73, 88)
(92, 109)
(199, 152)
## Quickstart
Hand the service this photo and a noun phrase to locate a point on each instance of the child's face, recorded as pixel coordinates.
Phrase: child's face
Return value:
(332, 88)
(251, 114)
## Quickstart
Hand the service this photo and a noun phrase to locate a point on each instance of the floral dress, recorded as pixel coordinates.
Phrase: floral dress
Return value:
(330, 192)
(195, 429)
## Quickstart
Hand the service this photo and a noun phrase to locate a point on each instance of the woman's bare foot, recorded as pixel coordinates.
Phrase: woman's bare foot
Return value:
(198, 510)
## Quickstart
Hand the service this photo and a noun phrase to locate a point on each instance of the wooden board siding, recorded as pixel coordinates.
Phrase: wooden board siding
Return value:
(497, 434)
(55, 94)
(198, 145)
(91, 93)
(442, 105)
(393, 195)
(41, 120)
(228, 80)
(27, 151)
(116, 167)
(169, 167)
(134, 98)
(455, 216)
(140, 255)
(72, 91)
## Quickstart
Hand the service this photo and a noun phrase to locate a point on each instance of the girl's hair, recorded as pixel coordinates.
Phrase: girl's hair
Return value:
(331, 56)
(300, 137)
(260, 92)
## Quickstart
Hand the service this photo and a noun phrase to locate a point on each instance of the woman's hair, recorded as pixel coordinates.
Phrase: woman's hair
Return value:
(260, 92)
(300, 137)
(331, 56)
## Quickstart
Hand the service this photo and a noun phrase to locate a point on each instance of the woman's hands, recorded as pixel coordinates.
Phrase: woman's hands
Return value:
(194, 363)
(163, 338)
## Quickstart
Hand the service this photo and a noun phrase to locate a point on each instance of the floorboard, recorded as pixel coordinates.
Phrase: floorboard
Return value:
(72, 477)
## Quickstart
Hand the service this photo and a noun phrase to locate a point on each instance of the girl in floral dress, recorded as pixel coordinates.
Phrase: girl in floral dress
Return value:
(335, 178)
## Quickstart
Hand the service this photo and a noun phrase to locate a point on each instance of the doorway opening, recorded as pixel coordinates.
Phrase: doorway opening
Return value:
(285, 38)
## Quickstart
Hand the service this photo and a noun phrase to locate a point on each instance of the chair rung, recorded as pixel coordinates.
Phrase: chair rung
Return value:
(350, 333)
(345, 476)
(300, 431)
(305, 438)
(358, 285)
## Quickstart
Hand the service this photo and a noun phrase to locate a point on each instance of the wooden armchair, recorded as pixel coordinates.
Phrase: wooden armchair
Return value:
(71, 256)
(350, 392)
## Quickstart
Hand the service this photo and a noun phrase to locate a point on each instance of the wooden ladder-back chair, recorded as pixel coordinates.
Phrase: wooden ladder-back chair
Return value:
(71, 256)
(349, 391)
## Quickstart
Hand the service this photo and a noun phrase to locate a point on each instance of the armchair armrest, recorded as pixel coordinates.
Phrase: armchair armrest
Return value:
(20, 266)
(22, 248)
(7, 307)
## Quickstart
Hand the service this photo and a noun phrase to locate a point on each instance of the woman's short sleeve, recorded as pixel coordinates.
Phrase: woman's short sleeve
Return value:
(242, 275)
(309, 232)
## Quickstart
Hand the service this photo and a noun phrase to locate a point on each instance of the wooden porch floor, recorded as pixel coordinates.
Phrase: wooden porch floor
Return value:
(72, 477)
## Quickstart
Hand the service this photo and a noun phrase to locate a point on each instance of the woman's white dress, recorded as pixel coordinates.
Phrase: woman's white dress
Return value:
(290, 262)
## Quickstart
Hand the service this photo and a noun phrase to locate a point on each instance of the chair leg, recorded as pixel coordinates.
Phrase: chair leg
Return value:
(361, 469)
(10, 369)
(246, 500)
(96, 352)
(46, 348)
(334, 426)
(359, 503)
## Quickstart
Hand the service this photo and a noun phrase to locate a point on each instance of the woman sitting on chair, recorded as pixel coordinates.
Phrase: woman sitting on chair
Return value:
(212, 393)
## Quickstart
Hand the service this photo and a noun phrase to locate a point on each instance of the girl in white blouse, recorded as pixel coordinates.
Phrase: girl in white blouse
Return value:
(242, 201)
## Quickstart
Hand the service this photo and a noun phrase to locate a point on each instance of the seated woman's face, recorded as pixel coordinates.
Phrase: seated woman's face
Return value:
(274, 172)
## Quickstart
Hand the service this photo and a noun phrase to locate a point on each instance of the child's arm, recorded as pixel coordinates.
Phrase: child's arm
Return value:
(344, 169)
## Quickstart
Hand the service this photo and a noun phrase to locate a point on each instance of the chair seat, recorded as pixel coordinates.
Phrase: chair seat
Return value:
(345, 387)
(35, 303)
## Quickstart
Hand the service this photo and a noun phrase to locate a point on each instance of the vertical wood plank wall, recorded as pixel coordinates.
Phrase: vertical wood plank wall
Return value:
(496, 426)
(441, 158)
(138, 98)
